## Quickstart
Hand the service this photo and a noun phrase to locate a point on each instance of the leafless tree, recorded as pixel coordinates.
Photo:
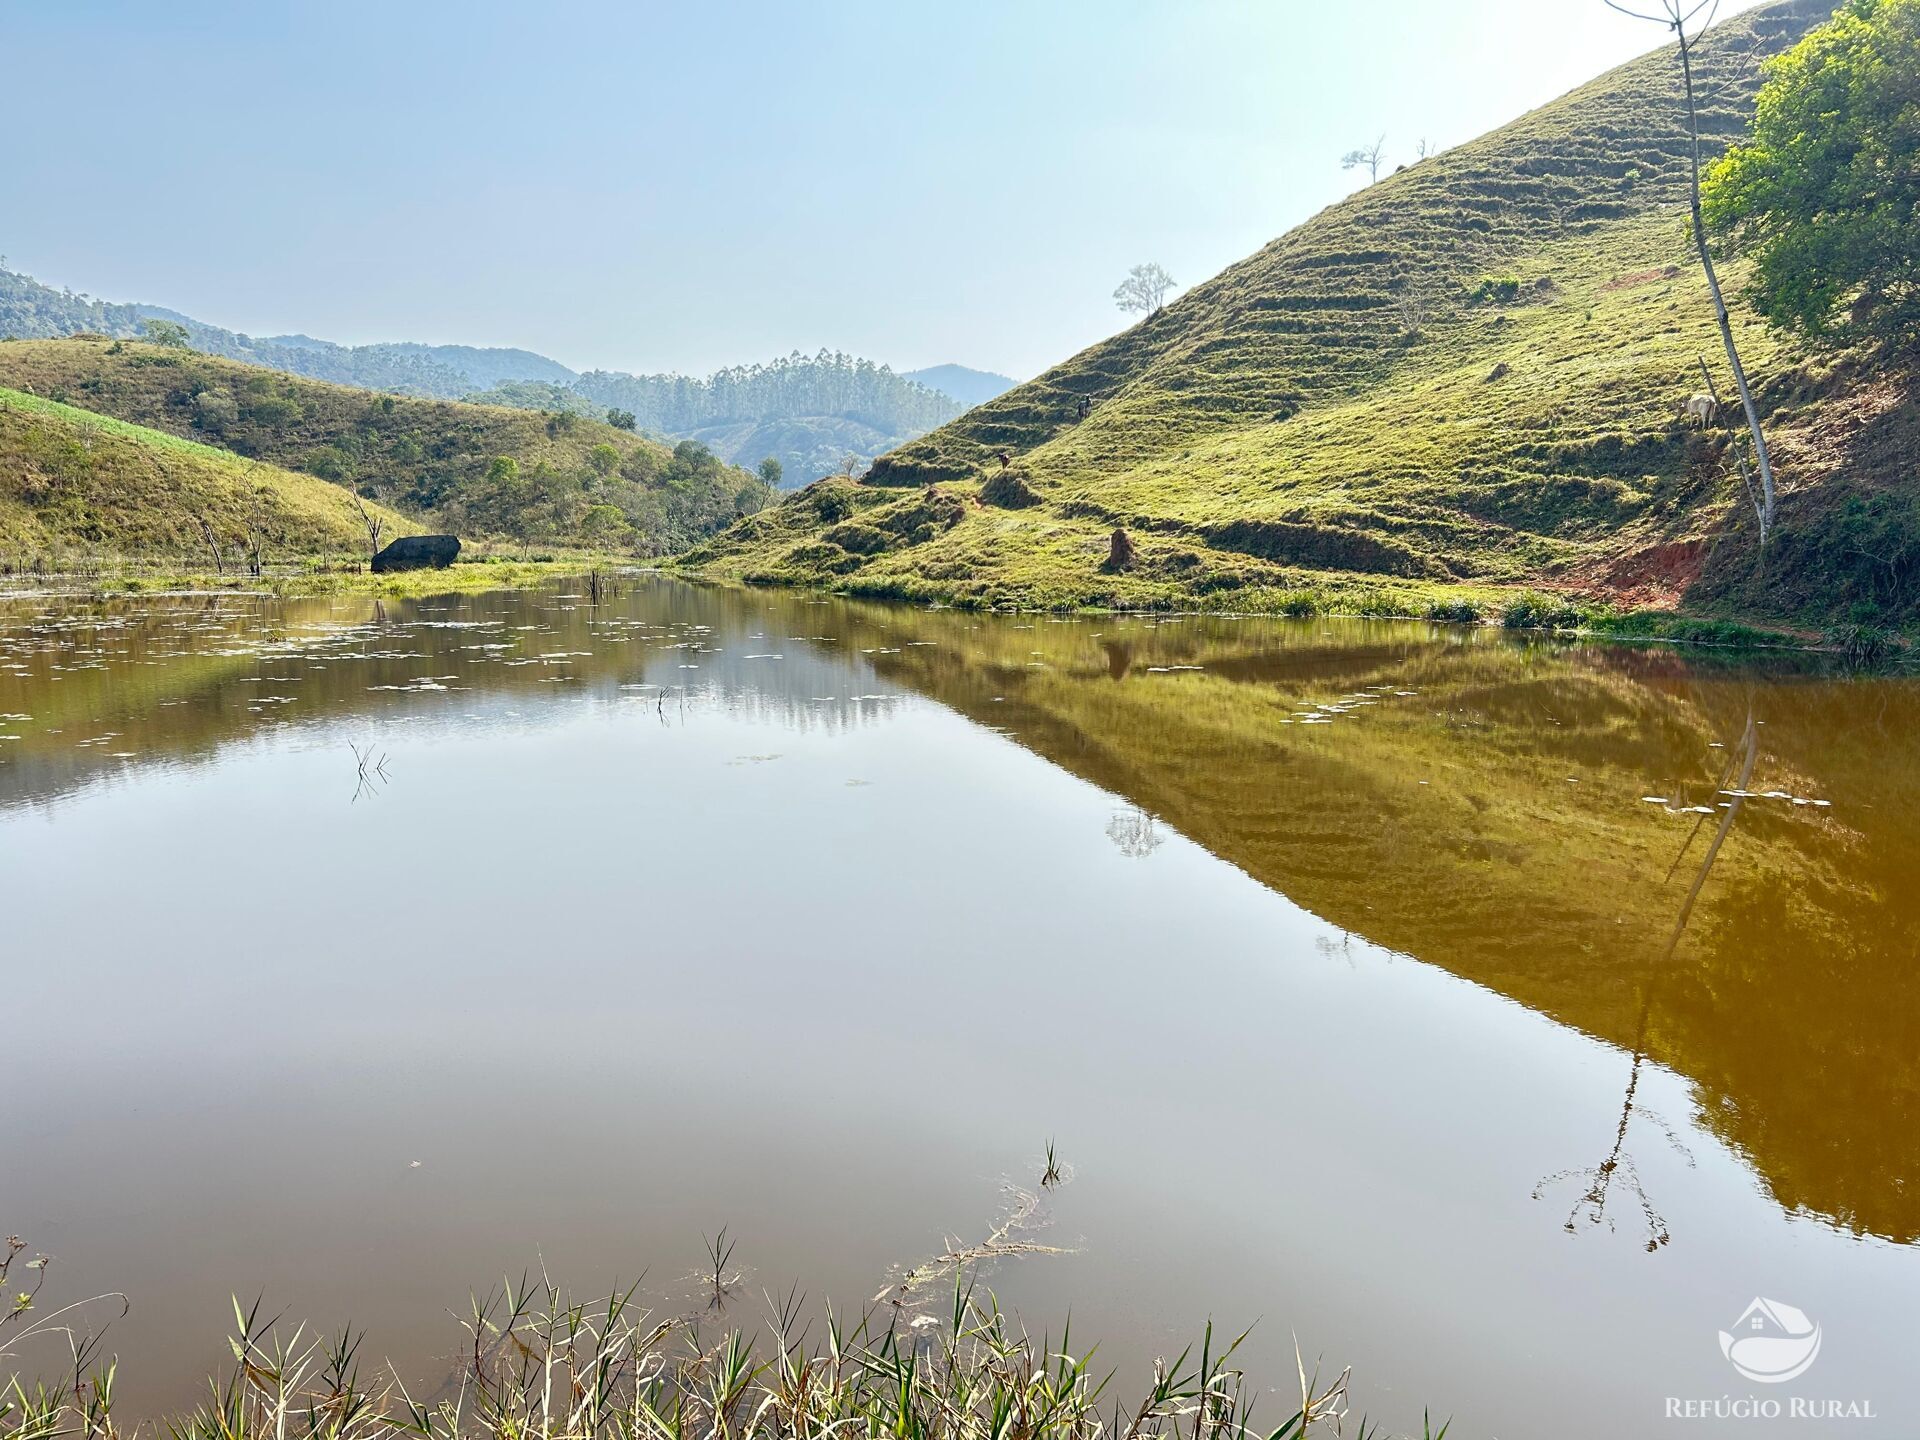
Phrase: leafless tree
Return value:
(258, 532)
(1424, 149)
(1144, 290)
(1412, 307)
(376, 525)
(1677, 17)
(1366, 157)
(213, 543)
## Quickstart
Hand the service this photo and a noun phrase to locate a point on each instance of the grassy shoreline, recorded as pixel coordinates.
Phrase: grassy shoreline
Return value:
(320, 577)
(1345, 596)
(1363, 597)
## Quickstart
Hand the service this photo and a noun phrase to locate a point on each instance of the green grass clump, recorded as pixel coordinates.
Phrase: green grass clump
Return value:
(1535, 611)
(1495, 290)
(1863, 644)
(1684, 629)
(1454, 612)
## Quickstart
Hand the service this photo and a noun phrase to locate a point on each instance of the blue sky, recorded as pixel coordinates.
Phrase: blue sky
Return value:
(647, 186)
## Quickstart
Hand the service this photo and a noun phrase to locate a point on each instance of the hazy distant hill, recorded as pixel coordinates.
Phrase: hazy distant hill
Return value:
(811, 413)
(30, 310)
(1469, 373)
(807, 446)
(970, 387)
(481, 367)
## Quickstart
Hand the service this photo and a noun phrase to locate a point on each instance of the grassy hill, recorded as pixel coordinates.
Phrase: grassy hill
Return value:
(475, 469)
(74, 483)
(1467, 374)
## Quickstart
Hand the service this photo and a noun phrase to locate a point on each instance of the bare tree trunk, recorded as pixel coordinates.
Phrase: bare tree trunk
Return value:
(1761, 460)
(213, 543)
(374, 526)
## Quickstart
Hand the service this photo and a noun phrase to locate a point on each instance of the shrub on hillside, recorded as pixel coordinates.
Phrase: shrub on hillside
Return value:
(1495, 290)
(858, 539)
(1010, 491)
(1537, 611)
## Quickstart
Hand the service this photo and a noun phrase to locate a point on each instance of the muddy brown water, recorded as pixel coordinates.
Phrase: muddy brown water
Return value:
(1498, 1017)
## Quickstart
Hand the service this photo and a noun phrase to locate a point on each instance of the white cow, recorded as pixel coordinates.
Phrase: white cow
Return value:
(1702, 408)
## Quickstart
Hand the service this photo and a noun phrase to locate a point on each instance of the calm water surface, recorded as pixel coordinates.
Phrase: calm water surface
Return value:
(1411, 990)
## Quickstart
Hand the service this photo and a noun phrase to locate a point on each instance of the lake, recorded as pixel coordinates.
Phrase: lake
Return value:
(1497, 1016)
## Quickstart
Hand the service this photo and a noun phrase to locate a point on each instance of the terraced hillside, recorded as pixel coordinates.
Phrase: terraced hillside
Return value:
(1468, 374)
(480, 470)
(73, 483)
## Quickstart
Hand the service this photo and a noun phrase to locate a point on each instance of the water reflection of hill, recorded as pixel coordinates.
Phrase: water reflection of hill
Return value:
(92, 689)
(1480, 805)
(1472, 802)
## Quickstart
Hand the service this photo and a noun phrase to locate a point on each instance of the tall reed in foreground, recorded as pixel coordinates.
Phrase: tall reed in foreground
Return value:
(538, 1365)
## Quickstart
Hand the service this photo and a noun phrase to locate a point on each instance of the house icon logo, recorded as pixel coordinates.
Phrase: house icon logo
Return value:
(1771, 1342)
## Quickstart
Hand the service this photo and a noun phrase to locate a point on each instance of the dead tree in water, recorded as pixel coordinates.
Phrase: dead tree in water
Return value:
(1676, 18)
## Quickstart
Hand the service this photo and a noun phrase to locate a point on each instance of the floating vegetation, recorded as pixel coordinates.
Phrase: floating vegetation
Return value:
(1021, 1216)
(1327, 711)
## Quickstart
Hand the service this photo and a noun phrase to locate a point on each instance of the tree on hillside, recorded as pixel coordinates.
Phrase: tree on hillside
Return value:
(1144, 290)
(770, 472)
(164, 332)
(623, 420)
(1676, 16)
(375, 525)
(1826, 194)
(1367, 157)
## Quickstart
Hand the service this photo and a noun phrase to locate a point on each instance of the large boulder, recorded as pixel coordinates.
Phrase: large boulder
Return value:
(419, 552)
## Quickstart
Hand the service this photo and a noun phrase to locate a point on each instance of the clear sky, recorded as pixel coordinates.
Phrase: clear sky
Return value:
(651, 186)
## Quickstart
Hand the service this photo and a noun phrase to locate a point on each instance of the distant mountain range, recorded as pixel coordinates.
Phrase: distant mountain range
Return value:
(815, 415)
(969, 387)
